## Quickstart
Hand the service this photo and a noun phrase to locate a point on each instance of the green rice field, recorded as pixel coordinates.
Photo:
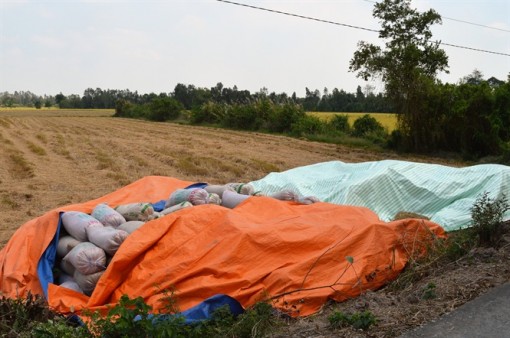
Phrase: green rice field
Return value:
(388, 120)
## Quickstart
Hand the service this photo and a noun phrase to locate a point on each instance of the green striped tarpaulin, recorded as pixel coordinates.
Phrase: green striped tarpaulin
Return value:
(442, 193)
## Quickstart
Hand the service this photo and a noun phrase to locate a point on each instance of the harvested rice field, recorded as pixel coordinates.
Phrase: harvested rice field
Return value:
(51, 158)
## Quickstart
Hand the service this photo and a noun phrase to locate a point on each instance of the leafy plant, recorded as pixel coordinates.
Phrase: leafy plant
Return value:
(487, 219)
(429, 292)
(120, 321)
(59, 327)
(366, 125)
(20, 314)
(307, 125)
(340, 123)
(358, 320)
(257, 321)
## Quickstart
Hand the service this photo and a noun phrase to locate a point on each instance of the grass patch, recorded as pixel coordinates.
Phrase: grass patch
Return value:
(36, 149)
(4, 140)
(42, 138)
(5, 123)
(7, 201)
(19, 166)
(264, 165)
(350, 141)
(140, 161)
(54, 112)
(119, 177)
(104, 161)
(191, 166)
(61, 148)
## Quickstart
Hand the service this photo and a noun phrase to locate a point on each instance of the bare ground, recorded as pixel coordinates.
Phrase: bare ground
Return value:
(50, 159)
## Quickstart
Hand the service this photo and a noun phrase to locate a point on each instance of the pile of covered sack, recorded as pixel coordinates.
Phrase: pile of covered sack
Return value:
(88, 242)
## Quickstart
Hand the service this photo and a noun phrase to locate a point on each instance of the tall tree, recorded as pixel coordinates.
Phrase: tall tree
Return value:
(408, 65)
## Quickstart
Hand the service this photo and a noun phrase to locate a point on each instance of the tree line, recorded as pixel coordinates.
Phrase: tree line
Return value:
(363, 100)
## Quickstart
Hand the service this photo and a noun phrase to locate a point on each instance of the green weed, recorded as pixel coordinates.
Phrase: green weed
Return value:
(429, 292)
(358, 320)
(18, 316)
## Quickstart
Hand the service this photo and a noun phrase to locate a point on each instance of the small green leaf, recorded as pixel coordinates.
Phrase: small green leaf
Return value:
(349, 259)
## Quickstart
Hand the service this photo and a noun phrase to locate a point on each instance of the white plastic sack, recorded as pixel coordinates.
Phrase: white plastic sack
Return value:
(135, 211)
(217, 189)
(73, 285)
(64, 277)
(214, 199)
(130, 226)
(76, 223)
(67, 281)
(155, 215)
(176, 207)
(241, 188)
(86, 257)
(195, 196)
(107, 238)
(231, 199)
(66, 244)
(87, 282)
(67, 267)
(107, 215)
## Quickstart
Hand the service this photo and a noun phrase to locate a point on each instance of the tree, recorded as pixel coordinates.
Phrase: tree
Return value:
(164, 108)
(59, 98)
(475, 78)
(407, 65)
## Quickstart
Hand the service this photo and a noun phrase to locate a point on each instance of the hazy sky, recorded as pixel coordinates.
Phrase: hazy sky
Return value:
(48, 47)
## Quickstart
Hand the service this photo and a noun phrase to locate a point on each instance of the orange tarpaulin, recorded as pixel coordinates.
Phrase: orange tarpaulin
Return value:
(299, 256)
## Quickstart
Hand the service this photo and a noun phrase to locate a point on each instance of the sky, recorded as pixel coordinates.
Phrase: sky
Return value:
(67, 46)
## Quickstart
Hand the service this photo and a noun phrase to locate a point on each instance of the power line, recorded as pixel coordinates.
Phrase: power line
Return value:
(347, 25)
(299, 16)
(463, 21)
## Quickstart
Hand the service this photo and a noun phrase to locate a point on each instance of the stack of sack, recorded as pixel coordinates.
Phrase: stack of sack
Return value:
(87, 245)
(88, 242)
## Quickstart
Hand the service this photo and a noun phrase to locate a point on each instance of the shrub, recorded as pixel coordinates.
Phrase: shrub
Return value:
(487, 219)
(307, 125)
(367, 125)
(209, 112)
(283, 116)
(164, 108)
(242, 116)
(21, 314)
(340, 123)
(122, 108)
(125, 108)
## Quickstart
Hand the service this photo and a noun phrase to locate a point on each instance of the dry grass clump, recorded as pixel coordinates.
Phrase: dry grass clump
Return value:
(36, 149)
(19, 167)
